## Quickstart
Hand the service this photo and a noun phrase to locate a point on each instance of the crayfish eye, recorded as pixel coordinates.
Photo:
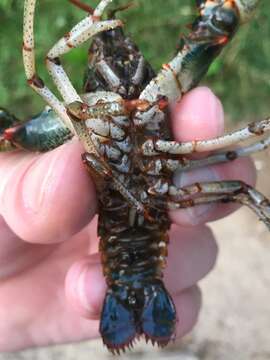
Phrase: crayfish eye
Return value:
(225, 20)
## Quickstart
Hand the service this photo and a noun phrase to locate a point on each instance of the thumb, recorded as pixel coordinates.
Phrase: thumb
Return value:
(198, 116)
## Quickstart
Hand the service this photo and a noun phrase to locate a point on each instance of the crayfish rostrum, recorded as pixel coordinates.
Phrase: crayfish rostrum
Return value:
(122, 120)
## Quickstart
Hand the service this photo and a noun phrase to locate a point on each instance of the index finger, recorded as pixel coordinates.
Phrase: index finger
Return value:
(46, 198)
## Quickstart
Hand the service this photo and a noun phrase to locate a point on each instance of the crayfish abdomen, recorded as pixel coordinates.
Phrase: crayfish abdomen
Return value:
(136, 301)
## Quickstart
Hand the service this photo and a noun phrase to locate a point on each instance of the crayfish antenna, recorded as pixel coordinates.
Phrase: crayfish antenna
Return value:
(111, 14)
(82, 6)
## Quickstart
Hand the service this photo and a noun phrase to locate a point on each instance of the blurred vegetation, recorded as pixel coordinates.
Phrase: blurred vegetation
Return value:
(241, 76)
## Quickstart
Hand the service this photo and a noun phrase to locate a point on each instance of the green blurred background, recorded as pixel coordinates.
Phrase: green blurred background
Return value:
(241, 76)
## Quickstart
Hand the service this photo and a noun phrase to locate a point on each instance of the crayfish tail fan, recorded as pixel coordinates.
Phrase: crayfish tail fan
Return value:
(117, 324)
(158, 318)
(129, 312)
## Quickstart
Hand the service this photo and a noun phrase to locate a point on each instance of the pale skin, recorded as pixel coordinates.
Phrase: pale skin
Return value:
(51, 283)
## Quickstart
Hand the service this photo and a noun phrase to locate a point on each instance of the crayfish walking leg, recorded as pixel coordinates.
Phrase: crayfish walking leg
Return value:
(220, 191)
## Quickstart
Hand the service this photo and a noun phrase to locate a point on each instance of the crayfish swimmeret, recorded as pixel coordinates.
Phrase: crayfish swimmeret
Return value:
(122, 121)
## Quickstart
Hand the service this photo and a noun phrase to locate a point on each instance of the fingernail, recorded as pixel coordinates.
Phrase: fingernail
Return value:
(216, 113)
(81, 289)
(90, 289)
(199, 116)
(209, 110)
(182, 179)
(41, 180)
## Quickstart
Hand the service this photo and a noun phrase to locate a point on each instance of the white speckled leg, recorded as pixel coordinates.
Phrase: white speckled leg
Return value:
(30, 68)
(80, 33)
(86, 29)
(103, 170)
(225, 156)
(167, 82)
(257, 129)
(160, 165)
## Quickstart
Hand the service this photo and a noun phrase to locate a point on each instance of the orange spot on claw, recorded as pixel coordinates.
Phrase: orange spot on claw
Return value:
(9, 133)
(223, 40)
(166, 67)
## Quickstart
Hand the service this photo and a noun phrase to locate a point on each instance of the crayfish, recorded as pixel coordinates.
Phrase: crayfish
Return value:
(122, 120)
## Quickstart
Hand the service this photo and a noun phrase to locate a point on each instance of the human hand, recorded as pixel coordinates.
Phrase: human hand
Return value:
(51, 283)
